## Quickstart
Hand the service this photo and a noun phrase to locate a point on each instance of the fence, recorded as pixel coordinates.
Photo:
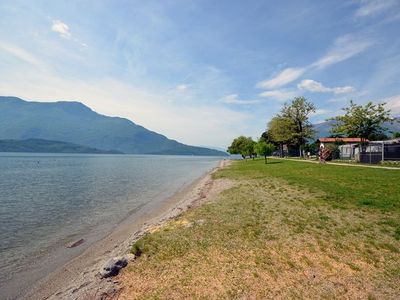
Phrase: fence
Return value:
(372, 153)
(392, 152)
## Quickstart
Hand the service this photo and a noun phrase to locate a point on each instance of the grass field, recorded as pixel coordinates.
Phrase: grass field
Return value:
(343, 186)
(285, 230)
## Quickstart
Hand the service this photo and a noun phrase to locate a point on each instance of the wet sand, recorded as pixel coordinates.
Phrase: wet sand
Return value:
(80, 279)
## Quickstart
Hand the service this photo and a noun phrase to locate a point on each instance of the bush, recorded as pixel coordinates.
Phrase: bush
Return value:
(335, 151)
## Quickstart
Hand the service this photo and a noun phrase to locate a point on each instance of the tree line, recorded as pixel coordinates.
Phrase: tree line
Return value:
(292, 126)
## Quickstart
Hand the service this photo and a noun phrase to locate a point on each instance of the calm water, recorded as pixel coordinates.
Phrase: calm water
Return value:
(48, 200)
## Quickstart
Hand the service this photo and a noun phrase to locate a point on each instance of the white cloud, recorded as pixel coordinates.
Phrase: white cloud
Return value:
(343, 89)
(374, 7)
(315, 86)
(312, 86)
(182, 87)
(284, 77)
(61, 28)
(321, 111)
(344, 48)
(233, 99)
(21, 54)
(280, 95)
(393, 103)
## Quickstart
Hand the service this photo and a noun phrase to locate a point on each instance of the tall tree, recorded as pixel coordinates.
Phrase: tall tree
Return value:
(263, 148)
(242, 145)
(280, 131)
(298, 113)
(362, 121)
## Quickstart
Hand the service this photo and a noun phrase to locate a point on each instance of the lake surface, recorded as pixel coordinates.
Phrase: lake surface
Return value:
(49, 200)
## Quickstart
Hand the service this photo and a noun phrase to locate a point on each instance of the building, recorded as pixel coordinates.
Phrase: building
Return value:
(348, 147)
(371, 151)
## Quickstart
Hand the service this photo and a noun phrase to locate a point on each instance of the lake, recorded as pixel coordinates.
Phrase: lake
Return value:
(49, 200)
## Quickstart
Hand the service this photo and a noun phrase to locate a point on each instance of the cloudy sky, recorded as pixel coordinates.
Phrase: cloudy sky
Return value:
(200, 71)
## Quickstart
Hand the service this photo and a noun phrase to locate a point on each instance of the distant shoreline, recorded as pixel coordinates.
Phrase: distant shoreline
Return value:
(48, 146)
(79, 277)
(122, 154)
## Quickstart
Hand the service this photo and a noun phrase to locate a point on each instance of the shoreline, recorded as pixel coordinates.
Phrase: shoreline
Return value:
(79, 277)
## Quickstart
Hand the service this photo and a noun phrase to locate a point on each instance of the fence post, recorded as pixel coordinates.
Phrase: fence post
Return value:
(369, 154)
(383, 151)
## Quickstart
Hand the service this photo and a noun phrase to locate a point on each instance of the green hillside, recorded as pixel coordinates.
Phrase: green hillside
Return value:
(73, 122)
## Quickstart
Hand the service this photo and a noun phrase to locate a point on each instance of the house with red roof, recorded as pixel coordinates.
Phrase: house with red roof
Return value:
(348, 146)
(371, 152)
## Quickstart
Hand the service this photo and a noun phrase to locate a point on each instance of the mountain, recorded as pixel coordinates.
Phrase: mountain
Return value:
(323, 129)
(73, 122)
(46, 146)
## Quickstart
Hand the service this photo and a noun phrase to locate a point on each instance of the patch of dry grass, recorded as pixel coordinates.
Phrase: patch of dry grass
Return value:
(265, 238)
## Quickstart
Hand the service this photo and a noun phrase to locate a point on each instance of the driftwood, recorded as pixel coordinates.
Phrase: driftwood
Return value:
(75, 244)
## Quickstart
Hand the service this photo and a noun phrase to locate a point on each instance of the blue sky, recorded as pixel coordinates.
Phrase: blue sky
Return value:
(202, 72)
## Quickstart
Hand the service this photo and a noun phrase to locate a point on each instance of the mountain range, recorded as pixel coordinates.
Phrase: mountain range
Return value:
(73, 122)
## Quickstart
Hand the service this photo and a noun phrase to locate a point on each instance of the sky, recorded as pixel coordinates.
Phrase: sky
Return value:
(202, 72)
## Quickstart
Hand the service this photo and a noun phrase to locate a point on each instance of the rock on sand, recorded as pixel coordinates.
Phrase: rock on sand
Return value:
(112, 266)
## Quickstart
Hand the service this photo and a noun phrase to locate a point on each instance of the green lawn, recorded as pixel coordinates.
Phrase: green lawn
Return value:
(342, 186)
(284, 230)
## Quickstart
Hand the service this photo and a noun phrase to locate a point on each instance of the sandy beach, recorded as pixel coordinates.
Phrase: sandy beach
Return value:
(80, 278)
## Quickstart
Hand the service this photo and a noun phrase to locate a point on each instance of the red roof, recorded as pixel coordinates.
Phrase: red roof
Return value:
(344, 140)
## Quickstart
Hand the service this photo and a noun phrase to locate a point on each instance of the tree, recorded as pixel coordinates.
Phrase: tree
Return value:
(250, 149)
(381, 136)
(297, 113)
(265, 136)
(396, 135)
(242, 145)
(362, 121)
(279, 131)
(263, 148)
